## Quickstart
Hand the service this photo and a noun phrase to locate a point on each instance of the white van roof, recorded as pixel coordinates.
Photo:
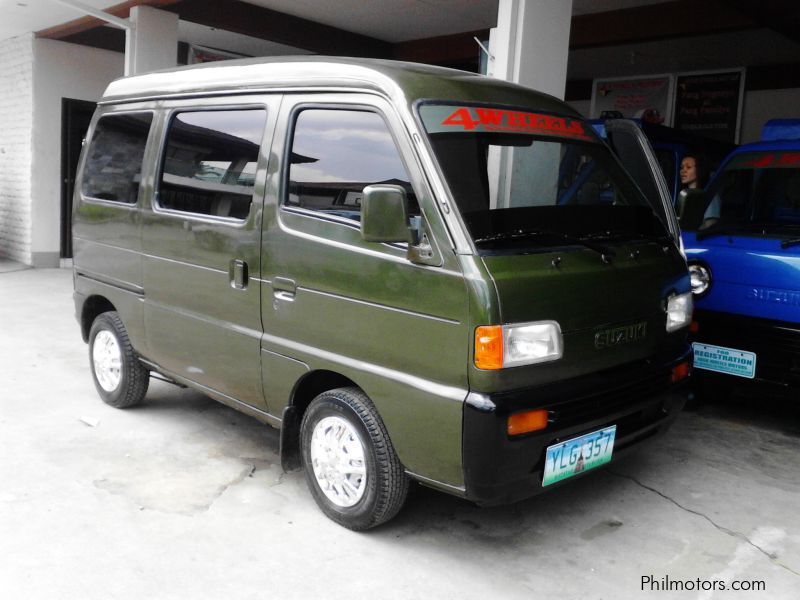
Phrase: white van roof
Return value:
(401, 81)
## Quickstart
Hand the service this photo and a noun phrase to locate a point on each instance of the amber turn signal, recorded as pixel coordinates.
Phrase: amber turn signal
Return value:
(489, 347)
(680, 371)
(525, 422)
(694, 327)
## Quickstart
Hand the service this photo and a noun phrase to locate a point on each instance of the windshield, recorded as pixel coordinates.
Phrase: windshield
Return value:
(522, 178)
(758, 192)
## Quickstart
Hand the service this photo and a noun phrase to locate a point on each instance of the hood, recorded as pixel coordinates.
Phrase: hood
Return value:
(609, 313)
(751, 276)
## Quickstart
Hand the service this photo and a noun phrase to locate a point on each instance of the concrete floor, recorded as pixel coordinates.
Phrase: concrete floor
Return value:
(184, 498)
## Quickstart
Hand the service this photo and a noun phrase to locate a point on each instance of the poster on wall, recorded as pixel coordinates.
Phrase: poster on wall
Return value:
(710, 104)
(647, 98)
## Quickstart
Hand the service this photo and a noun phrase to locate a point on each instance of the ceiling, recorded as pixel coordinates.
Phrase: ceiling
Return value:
(608, 37)
(388, 20)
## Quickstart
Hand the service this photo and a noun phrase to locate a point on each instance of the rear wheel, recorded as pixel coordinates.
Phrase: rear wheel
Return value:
(120, 379)
(350, 464)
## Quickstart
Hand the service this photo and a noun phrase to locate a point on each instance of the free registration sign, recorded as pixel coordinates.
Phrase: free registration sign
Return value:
(724, 360)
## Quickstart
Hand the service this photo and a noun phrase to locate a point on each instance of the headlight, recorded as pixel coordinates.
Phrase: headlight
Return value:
(679, 311)
(701, 278)
(501, 346)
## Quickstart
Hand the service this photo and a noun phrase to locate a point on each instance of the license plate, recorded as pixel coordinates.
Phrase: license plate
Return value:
(579, 454)
(724, 360)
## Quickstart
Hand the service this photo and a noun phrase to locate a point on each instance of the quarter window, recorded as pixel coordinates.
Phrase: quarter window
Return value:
(114, 161)
(335, 154)
(209, 163)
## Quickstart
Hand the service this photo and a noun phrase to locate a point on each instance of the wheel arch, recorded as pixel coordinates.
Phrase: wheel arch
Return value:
(307, 388)
(93, 306)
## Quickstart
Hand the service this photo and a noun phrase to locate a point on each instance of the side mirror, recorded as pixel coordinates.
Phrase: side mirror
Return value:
(690, 207)
(384, 214)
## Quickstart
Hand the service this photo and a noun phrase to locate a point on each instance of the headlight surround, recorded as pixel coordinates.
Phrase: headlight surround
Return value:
(700, 276)
(679, 311)
(531, 343)
(502, 346)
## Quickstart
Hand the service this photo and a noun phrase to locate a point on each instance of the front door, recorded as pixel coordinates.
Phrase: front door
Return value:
(201, 241)
(392, 320)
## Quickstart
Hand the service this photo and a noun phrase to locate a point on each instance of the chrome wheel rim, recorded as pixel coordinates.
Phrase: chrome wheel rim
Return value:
(337, 458)
(107, 360)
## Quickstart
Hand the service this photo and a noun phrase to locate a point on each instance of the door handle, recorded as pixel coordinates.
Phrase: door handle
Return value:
(238, 273)
(284, 289)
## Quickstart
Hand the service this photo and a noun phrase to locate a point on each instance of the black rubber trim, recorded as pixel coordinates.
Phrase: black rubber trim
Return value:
(639, 399)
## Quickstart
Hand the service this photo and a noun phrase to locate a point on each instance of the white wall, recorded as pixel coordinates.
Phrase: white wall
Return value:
(763, 105)
(16, 97)
(61, 70)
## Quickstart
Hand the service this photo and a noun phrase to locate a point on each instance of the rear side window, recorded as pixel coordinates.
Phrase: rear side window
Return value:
(335, 154)
(114, 161)
(209, 163)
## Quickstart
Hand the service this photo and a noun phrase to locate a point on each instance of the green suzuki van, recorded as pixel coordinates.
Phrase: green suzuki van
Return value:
(415, 273)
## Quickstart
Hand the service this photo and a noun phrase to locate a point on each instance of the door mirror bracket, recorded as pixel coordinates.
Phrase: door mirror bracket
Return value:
(384, 214)
(384, 218)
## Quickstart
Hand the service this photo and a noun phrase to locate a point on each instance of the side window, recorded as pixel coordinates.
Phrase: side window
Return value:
(209, 162)
(114, 160)
(335, 154)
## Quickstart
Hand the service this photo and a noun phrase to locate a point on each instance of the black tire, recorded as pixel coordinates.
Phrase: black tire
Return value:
(134, 378)
(386, 486)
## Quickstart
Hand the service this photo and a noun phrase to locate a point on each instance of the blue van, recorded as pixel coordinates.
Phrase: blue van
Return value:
(742, 241)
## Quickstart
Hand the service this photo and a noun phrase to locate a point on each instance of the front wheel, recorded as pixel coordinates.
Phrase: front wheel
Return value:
(120, 379)
(350, 464)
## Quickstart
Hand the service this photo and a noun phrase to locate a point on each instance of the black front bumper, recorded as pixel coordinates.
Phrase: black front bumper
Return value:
(639, 399)
(776, 345)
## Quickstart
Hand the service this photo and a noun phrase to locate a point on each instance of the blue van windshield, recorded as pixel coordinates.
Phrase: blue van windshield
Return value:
(757, 192)
(514, 173)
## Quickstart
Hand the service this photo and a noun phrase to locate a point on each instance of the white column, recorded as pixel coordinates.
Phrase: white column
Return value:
(152, 43)
(529, 46)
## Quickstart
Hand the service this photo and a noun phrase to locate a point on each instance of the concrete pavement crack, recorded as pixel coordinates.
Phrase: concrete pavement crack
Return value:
(737, 534)
(249, 470)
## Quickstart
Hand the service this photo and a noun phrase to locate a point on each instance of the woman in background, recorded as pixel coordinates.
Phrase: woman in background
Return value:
(693, 176)
(692, 172)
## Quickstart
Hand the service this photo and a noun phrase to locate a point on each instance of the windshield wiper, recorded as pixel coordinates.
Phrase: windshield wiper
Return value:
(717, 229)
(790, 242)
(619, 236)
(605, 253)
(727, 228)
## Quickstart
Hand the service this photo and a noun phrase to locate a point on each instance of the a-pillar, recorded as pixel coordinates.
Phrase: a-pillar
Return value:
(152, 43)
(529, 46)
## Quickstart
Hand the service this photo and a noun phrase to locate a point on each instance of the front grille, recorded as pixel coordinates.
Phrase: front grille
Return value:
(614, 401)
(775, 343)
